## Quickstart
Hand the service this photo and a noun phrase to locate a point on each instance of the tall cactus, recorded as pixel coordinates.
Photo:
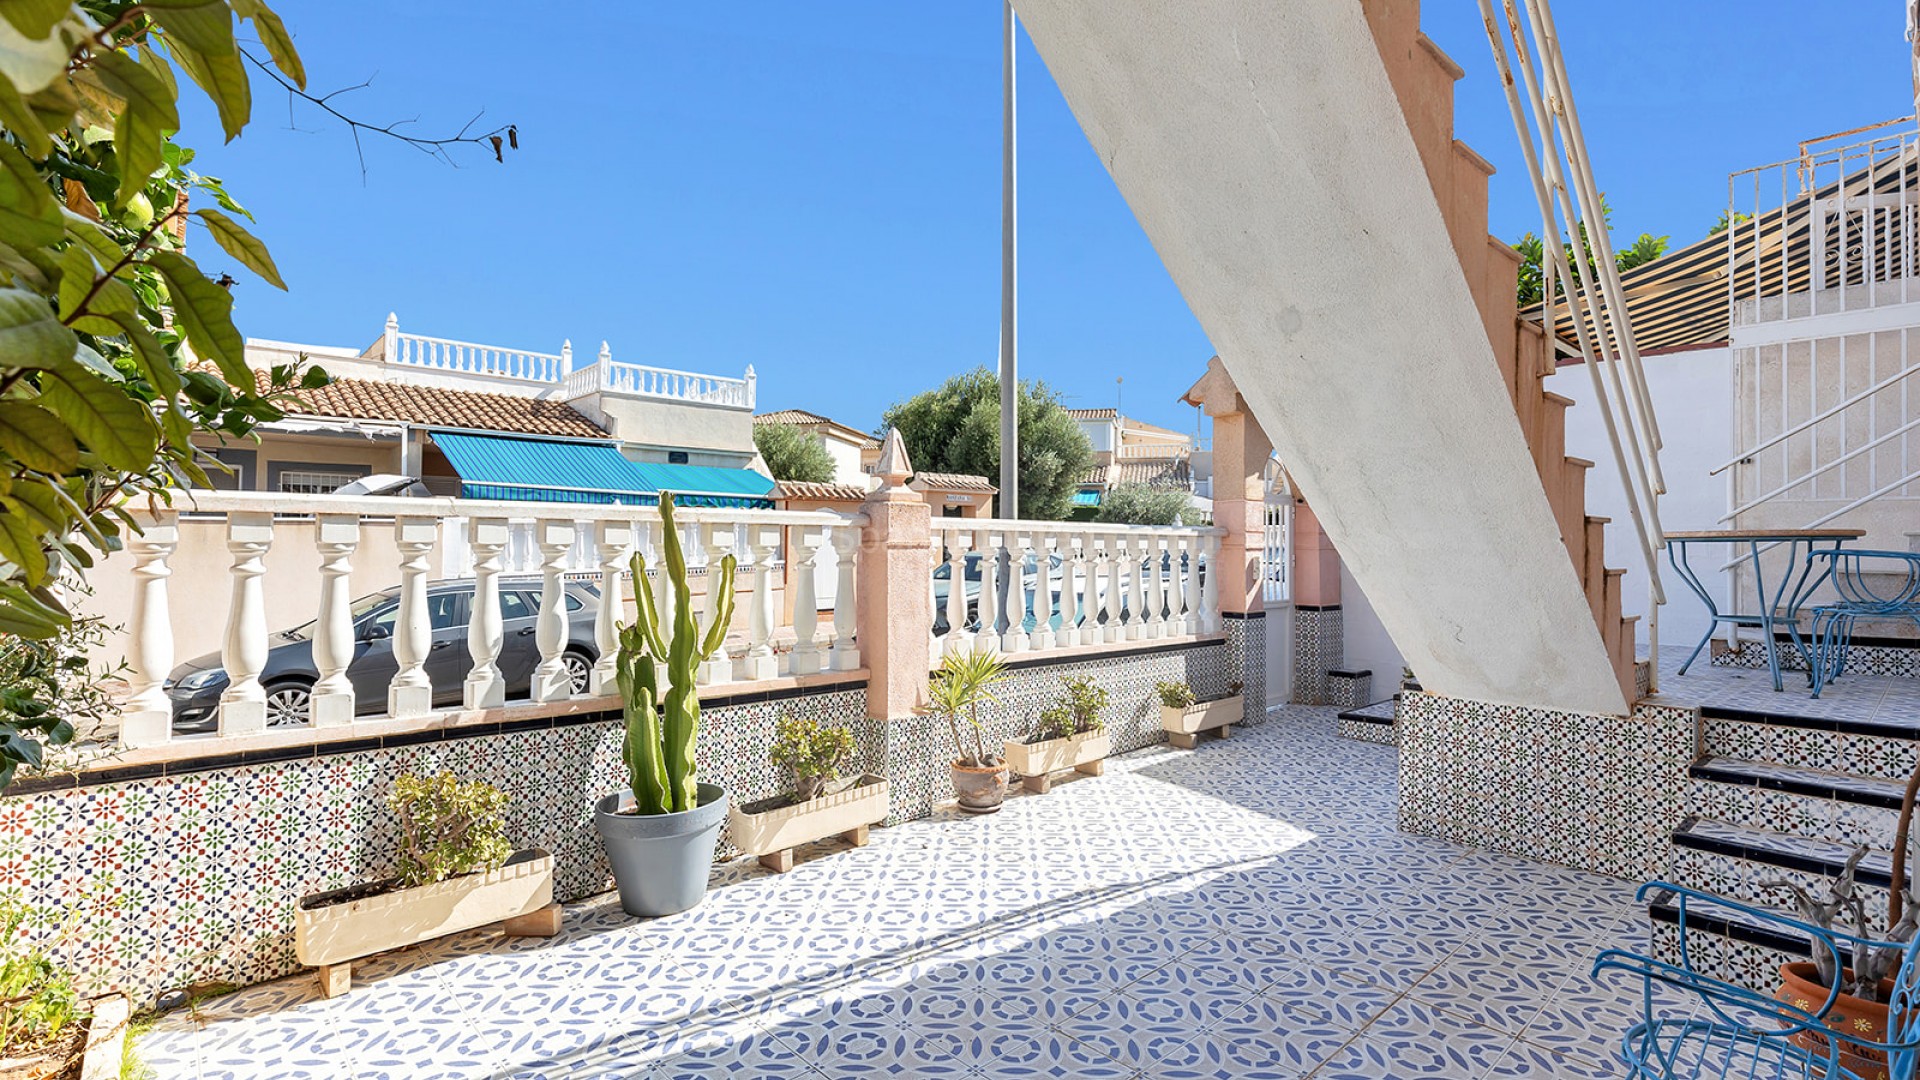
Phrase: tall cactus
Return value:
(662, 730)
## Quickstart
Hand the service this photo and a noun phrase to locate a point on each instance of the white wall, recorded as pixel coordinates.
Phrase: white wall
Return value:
(1692, 399)
(1099, 433)
(1365, 641)
(846, 460)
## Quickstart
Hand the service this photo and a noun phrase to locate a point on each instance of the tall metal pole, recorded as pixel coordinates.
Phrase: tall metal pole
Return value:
(1009, 367)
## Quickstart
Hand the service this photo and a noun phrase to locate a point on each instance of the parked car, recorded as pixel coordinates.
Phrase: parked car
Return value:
(970, 578)
(195, 686)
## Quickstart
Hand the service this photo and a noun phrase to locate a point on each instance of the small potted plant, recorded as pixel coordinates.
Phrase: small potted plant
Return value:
(819, 805)
(1069, 735)
(660, 832)
(1183, 717)
(456, 872)
(959, 686)
(46, 1029)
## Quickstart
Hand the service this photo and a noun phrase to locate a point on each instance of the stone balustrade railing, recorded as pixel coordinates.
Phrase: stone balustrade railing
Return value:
(1033, 586)
(472, 358)
(782, 553)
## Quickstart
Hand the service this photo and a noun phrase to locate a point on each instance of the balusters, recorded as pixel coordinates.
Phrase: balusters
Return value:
(331, 703)
(1015, 639)
(1069, 632)
(1090, 633)
(147, 718)
(1042, 547)
(1113, 553)
(760, 662)
(719, 544)
(1156, 588)
(613, 539)
(846, 548)
(243, 705)
(806, 658)
(960, 542)
(1210, 620)
(940, 552)
(411, 692)
(1134, 549)
(987, 638)
(551, 680)
(1192, 614)
(485, 687)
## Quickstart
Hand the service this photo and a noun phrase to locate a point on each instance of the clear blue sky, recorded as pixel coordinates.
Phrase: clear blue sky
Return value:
(813, 188)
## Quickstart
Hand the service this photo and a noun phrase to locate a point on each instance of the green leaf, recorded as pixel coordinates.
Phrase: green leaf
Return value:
(34, 18)
(157, 66)
(206, 310)
(20, 540)
(120, 429)
(242, 245)
(26, 615)
(28, 212)
(36, 438)
(200, 35)
(89, 233)
(279, 43)
(30, 335)
(149, 356)
(18, 118)
(143, 123)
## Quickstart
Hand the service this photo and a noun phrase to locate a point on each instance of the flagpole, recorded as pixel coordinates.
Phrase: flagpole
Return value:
(1009, 366)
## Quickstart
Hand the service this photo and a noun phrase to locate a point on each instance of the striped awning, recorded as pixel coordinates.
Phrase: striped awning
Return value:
(545, 470)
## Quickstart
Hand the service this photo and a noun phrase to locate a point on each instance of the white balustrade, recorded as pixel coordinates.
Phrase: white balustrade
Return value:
(411, 692)
(486, 687)
(1190, 600)
(1015, 638)
(607, 375)
(846, 549)
(331, 702)
(147, 718)
(719, 543)
(551, 680)
(760, 662)
(1210, 620)
(243, 705)
(987, 639)
(1114, 554)
(807, 654)
(959, 542)
(1069, 632)
(613, 540)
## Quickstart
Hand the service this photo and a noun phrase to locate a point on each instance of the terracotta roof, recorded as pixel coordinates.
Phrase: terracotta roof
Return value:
(790, 416)
(806, 489)
(940, 481)
(1166, 472)
(1093, 414)
(434, 406)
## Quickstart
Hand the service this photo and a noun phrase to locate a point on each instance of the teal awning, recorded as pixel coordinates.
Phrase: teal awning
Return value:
(542, 470)
(1086, 498)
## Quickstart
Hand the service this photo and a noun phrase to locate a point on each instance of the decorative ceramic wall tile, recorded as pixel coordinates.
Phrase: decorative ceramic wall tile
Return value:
(1319, 645)
(1861, 659)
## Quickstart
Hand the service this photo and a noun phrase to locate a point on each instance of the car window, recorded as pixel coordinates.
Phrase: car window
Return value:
(518, 605)
(574, 603)
(443, 610)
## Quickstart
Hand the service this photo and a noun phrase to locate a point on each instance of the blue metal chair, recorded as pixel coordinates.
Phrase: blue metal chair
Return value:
(1744, 1034)
(1891, 592)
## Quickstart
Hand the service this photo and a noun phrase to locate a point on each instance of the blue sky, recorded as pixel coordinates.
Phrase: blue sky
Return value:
(813, 188)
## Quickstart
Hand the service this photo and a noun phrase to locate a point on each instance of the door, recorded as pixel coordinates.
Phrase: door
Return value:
(374, 666)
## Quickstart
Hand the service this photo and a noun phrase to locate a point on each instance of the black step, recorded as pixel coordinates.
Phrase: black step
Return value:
(1777, 849)
(1733, 925)
(1815, 783)
(1380, 712)
(1886, 729)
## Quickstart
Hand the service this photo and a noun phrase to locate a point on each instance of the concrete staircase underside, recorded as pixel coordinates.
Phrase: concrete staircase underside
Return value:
(1263, 150)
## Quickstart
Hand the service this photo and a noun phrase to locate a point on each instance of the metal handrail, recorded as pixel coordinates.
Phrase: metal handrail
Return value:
(1810, 474)
(1805, 424)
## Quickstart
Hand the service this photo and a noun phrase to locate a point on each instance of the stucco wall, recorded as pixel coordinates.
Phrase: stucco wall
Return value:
(653, 422)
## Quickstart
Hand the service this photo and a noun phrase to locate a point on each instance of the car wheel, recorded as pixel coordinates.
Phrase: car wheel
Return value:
(288, 705)
(579, 672)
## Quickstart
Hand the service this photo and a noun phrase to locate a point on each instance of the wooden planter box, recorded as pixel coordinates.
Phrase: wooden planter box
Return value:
(99, 1048)
(1183, 726)
(333, 929)
(771, 828)
(1086, 752)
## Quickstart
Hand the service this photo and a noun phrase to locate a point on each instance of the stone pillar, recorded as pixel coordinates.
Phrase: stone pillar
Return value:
(1240, 453)
(893, 599)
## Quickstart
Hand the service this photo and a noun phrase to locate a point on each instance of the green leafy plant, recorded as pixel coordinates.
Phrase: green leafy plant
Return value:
(958, 687)
(50, 694)
(1085, 699)
(39, 1006)
(811, 752)
(663, 729)
(792, 454)
(956, 428)
(1144, 504)
(448, 827)
(1174, 695)
(1056, 722)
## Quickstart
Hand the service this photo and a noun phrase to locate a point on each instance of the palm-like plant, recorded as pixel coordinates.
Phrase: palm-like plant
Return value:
(957, 689)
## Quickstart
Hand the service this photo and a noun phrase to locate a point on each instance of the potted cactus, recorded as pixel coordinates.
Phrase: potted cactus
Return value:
(820, 803)
(958, 687)
(660, 832)
(1069, 735)
(1183, 716)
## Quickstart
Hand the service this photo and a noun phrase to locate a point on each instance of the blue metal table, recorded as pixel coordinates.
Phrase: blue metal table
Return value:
(1800, 544)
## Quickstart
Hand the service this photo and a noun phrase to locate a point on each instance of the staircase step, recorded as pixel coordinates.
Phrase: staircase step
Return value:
(1880, 750)
(1800, 780)
(1784, 811)
(1780, 851)
(1881, 728)
(1731, 946)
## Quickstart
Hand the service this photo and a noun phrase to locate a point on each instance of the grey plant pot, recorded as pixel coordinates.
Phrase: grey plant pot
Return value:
(661, 861)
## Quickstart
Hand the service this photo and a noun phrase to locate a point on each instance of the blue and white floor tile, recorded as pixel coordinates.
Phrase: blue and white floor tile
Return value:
(1246, 910)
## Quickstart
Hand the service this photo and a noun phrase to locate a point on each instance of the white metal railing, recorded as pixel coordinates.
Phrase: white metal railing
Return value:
(1569, 202)
(1276, 554)
(605, 375)
(1019, 587)
(1821, 265)
(1153, 450)
(341, 525)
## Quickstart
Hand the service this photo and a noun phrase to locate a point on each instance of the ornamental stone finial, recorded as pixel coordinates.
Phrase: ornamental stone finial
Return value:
(893, 468)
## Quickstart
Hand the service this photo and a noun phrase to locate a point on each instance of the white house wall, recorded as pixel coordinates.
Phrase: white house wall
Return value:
(1263, 151)
(1365, 643)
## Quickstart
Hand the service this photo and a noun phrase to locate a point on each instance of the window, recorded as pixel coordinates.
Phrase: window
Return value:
(676, 457)
(443, 613)
(314, 481)
(519, 605)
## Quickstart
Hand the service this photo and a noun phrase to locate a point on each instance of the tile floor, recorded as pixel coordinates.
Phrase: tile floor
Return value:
(1244, 910)
(1882, 699)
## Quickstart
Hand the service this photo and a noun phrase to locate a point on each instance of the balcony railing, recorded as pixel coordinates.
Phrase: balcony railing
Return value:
(556, 371)
(1022, 587)
(405, 532)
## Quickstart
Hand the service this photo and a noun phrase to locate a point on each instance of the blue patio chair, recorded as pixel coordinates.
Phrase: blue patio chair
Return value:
(1869, 585)
(1737, 1032)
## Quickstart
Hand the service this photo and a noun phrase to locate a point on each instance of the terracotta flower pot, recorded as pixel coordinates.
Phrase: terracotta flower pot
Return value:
(980, 788)
(1800, 987)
